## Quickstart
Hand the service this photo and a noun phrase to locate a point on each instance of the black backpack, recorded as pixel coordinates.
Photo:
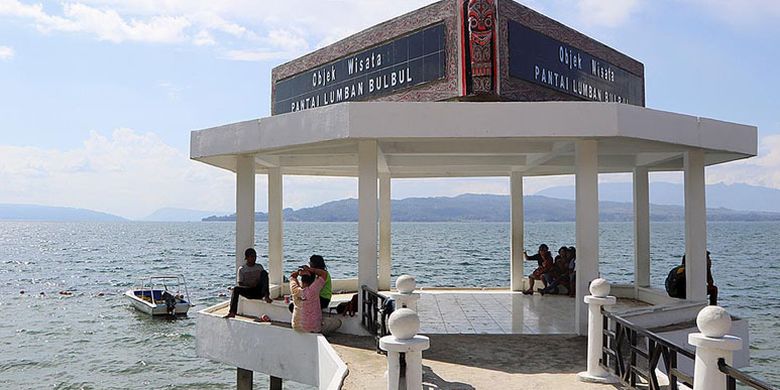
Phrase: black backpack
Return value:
(675, 282)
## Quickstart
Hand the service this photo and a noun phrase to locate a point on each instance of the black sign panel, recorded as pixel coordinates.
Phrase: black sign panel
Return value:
(402, 63)
(540, 59)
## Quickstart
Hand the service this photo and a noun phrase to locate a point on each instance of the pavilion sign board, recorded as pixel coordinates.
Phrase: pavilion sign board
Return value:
(404, 62)
(463, 50)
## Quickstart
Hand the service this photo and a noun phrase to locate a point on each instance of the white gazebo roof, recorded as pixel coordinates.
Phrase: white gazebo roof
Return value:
(445, 139)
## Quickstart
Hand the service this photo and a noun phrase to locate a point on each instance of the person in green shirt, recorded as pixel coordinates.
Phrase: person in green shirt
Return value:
(316, 261)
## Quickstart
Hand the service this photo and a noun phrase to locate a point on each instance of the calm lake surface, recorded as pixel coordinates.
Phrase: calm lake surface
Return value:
(99, 342)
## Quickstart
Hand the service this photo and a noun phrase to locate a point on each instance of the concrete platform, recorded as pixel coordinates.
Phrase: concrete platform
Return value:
(450, 311)
(465, 362)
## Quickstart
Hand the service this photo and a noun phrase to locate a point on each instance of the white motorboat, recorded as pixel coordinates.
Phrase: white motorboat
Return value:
(161, 295)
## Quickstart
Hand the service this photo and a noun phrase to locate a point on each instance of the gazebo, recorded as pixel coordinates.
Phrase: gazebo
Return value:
(379, 141)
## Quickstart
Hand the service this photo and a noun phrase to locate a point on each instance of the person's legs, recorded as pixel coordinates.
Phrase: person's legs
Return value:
(329, 325)
(247, 292)
(324, 302)
(712, 291)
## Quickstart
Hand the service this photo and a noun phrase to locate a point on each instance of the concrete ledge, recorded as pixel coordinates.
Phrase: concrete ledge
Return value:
(274, 350)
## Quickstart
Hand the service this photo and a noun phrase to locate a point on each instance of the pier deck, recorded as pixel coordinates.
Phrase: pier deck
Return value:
(465, 362)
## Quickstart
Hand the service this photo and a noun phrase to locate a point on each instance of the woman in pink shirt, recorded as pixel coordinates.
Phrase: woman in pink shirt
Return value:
(307, 314)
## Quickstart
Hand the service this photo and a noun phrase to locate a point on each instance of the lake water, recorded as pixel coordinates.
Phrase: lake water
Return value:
(98, 342)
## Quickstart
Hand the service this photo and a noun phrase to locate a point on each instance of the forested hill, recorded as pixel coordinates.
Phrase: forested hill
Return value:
(495, 208)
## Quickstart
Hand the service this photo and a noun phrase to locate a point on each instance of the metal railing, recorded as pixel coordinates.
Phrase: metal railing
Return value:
(628, 343)
(373, 316)
(733, 375)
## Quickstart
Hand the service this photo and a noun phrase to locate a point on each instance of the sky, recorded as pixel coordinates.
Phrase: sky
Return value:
(98, 97)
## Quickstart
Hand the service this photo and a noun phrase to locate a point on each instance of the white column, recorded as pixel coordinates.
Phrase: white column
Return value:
(275, 227)
(516, 249)
(367, 218)
(385, 235)
(587, 226)
(712, 344)
(599, 290)
(641, 228)
(695, 227)
(245, 207)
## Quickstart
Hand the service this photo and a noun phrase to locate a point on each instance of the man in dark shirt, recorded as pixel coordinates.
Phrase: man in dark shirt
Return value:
(545, 261)
(252, 282)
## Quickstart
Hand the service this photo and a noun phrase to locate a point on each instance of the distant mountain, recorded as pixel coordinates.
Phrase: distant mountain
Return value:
(730, 196)
(171, 214)
(26, 212)
(495, 208)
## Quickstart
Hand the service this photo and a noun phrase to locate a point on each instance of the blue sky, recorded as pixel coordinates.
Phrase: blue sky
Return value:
(97, 97)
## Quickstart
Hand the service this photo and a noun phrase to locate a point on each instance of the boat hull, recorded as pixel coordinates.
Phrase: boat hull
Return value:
(181, 308)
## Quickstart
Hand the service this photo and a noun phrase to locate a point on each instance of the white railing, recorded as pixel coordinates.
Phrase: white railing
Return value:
(278, 351)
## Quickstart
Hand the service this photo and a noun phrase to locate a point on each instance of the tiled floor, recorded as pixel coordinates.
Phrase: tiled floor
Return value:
(494, 312)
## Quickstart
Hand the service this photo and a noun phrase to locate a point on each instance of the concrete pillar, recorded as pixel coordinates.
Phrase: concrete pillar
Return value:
(367, 216)
(712, 344)
(245, 207)
(243, 379)
(587, 225)
(599, 290)
(695, 227)
(275, 383)
(385, 235)
(641, 228)
(404, 324)
(517, 231)
(275, 227)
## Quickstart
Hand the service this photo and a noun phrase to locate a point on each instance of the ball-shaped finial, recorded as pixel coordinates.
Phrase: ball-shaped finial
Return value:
(713, 321)
(599, 288)
(405, 284)
(404, 324)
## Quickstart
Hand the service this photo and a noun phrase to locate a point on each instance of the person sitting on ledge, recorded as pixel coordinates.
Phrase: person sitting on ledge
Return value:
(675, 282)
(545, 261)
(252, 282)
(307, 314)
(318, 262)
(559, 273)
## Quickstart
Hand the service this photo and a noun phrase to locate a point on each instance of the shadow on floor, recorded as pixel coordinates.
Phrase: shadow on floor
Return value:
(431, 381)
(513, 354)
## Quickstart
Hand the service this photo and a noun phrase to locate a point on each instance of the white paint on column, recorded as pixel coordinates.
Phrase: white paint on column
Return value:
(641, 228)
(385, 235)
(587, 226)
(367, 218)
(516, 248)
(245, 207)
(695, 226)
(275, 226)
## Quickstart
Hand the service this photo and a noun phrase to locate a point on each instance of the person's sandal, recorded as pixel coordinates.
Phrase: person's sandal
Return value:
(229, 315)
(528, 292)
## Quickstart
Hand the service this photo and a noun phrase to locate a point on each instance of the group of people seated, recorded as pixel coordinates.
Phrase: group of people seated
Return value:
(557, 274)
(310, 292)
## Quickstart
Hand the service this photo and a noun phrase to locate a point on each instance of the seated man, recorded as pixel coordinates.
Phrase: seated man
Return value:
(252, 282)
(559, 273)
(545, 262)
(307, 314)
(675, 282)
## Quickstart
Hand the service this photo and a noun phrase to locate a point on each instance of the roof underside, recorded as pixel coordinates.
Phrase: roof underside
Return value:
(472, 139)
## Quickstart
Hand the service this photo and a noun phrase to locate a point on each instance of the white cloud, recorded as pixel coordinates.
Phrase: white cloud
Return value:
(762, 170)
(127, 173)
(6, 53)
(608, 13)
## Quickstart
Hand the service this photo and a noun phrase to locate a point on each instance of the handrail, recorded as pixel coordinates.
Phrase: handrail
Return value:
(627, 368)
(733, 375)
(647, 333)
(373, 316)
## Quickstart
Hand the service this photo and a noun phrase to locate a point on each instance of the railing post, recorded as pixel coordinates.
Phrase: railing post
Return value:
(712, 344)
(599, 290)
(404, 324)
(406, 297)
